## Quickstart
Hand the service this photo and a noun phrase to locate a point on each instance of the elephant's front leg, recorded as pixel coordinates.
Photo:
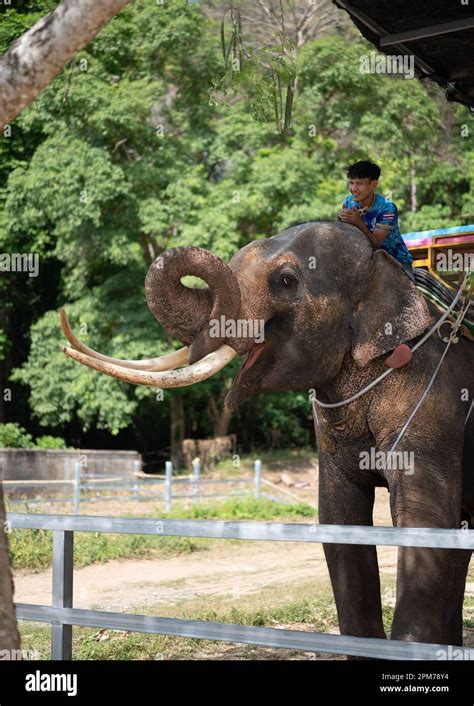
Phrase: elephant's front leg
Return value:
(353, 568)
(430, 582)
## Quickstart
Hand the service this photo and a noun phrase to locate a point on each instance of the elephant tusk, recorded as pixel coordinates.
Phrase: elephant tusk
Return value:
(201, 370)
(165, 362)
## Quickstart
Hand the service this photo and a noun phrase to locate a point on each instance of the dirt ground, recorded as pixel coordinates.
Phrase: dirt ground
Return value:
(227, 570)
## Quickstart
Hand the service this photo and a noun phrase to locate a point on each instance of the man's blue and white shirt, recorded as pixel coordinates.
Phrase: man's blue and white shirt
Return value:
(384, 214)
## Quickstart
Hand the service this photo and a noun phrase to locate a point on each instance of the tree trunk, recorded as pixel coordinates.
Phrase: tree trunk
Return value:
(177, 430)
(3, 382)
(224, 421)
(9, 637)
(414, 200)
(29, 64)
(248, 413)
(35, 58)
(220, 415)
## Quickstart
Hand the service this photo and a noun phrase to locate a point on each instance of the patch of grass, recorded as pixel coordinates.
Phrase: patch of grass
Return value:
(387, 617)
(30, 549)
(33, 549)
(245, 509)
(319, 612)
(469, 611)
(268, 459)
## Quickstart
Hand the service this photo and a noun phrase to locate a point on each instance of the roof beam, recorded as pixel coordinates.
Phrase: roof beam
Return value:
(424, 32)
(380, 32)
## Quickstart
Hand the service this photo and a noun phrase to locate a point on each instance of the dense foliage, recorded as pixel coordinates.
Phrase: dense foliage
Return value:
(129, 151)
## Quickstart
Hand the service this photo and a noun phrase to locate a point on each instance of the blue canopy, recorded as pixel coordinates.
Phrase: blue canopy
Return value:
(455, 230)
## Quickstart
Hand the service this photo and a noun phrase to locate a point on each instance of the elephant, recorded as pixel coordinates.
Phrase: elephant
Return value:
(333, 308)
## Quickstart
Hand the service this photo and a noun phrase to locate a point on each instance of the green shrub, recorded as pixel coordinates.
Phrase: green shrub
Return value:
(245, 509)
(50, 442)
(13, 436)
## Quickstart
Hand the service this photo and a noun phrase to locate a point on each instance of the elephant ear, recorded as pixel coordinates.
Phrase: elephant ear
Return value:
(391, 312)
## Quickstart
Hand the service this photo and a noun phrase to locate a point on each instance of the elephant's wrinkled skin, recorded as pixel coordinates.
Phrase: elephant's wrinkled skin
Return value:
(330, 323)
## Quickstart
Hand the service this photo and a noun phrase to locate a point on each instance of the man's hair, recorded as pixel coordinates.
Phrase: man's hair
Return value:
(363, 170)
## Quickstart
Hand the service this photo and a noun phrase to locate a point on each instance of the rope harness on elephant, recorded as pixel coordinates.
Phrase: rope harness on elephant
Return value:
(466, 291)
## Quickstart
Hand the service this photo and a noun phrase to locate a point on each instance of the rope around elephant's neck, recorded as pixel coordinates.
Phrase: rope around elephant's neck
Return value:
(452, 335)
(434, 328)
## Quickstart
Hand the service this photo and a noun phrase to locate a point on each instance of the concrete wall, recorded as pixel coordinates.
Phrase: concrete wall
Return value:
(59, 464)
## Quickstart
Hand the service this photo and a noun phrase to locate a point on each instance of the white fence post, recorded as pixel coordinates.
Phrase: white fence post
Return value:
(77, 488)
(136, 469)
(258, 477)
(168, 485)
(196, 479)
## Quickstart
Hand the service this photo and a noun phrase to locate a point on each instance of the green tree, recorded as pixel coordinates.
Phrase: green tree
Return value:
(123, 155)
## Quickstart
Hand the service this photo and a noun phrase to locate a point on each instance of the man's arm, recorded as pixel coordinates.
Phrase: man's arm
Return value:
(375, 237)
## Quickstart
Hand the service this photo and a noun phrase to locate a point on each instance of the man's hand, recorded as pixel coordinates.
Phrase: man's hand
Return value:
(351, 215)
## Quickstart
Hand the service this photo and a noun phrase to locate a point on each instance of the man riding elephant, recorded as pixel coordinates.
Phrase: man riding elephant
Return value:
(333, 309)
(373, 214)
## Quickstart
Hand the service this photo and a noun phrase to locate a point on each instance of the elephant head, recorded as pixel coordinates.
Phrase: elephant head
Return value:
(295, 305)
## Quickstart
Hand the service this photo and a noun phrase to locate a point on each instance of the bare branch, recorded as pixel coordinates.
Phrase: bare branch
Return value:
(303, 20)
(266, 10)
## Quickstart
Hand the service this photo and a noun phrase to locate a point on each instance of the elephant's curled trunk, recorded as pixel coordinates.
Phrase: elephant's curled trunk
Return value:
(183, 311)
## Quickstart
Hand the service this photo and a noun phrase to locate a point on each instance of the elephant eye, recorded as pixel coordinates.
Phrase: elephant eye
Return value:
(287, 280)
